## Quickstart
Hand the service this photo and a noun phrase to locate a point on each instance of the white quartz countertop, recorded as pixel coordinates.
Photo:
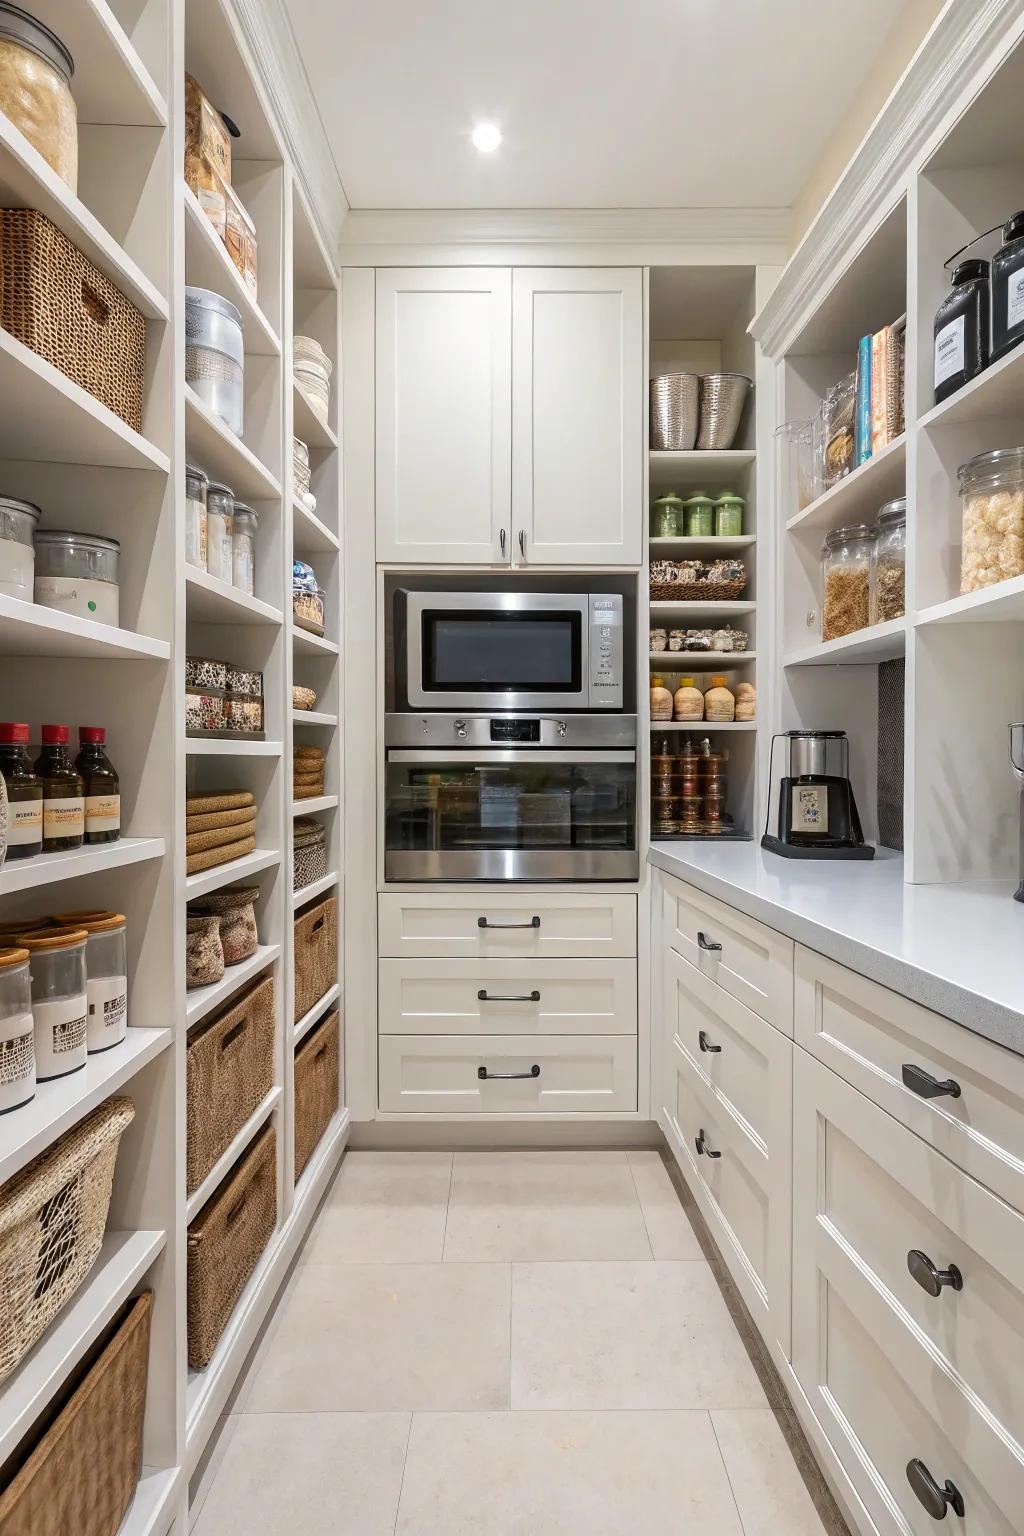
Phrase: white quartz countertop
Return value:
(958, 949)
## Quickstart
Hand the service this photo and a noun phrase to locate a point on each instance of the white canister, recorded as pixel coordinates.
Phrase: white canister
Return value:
(106, 970)
(77, 573)
(60, 1004)
(18, 521)
(17, 1042)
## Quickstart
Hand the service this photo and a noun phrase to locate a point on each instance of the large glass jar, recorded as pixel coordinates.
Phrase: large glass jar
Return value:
(35, 90)
(846, 581)
(195, 516)
(220, 516)
(729, 510)
(667, 516)
(106, 970)
(243, 548)
(700, 516)
(992, 501)
(17, 1045)
(60, 1003)
(837, 430)
(18, 521)
(1008, 288)
(77, 573)
(796, 451)
(889, 563)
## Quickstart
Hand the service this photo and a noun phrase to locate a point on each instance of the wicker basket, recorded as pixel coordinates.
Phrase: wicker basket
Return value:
(309, 852)
(229, 1070)
(317, 1083)
(697, 591)
(82, 1473)
(316, 954)
(52, 1216)
(225, 1242)
(56, 302)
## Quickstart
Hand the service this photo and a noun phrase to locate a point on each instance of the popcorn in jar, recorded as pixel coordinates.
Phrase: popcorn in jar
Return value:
(992, 500)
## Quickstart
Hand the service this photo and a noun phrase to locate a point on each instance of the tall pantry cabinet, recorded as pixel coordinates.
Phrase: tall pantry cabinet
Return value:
(492, 389)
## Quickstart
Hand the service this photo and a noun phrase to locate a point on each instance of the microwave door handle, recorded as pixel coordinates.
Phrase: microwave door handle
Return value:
(468, 758)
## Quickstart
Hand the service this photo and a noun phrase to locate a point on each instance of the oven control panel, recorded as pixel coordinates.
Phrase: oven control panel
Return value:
(515, 731)
(605, 650)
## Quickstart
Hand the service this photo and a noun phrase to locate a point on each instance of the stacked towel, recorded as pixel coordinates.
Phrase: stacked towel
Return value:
(218, 828)
(309, 767)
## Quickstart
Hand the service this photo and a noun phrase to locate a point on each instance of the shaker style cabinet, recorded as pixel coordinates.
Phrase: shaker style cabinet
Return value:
(509, 416)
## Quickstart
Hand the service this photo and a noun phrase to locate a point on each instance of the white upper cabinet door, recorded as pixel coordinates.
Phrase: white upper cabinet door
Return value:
(577, 416)
(444, 415)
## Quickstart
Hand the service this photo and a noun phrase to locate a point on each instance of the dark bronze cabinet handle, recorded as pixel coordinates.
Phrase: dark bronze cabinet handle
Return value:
(483, 922)
(703, 1150)
(931, 1279)
(705, 1044)
(493, 1077)
(709, 946)
(484, 996)
(501, 541)
(936, 1500)
(927, 1087)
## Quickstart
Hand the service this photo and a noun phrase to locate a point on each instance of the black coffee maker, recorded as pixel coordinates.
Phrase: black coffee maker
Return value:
(817, 814)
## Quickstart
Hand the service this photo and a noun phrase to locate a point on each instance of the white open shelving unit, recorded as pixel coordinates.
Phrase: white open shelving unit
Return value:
(87, 470)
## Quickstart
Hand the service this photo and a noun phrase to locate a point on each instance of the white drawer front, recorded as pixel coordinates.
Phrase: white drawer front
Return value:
(422, 1074)
(505, 997)
(752, 963)
(507, 926)
(868, 1034)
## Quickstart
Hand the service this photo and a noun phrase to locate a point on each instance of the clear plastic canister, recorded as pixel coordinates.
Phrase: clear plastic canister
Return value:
(106, 965)
(846, 572)
(243, 548)
(220, 518)
(60, 1004)
(17, 1043)
(889, 563)
(992, 500)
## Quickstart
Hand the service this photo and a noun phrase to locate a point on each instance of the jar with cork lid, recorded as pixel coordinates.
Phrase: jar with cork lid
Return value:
(106, 975)
(17, 1041)
(60, 1005)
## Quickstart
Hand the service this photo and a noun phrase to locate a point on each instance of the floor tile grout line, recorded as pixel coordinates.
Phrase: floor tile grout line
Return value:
(447, 1206)
(725, 1467)
(643, 1213)
(401, 1486)
(511, 1304)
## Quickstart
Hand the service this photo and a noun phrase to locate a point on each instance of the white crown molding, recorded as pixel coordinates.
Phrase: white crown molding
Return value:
(961, 49)
(268, 32)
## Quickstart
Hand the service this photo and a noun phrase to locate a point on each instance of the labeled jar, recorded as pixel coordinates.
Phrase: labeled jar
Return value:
(35, 90)
(17, 1031)
(961, 329)
(1008, 288)
(992, 502)
(195, 516)
(24, 792)
(220, 518)
(18, 521)
(243, 548)
(63, 793)
(60, 1004)
(102, 788)
(889, 563)
(719, 702)
(700, 516)
(846, 581)
(729, 509)
(667, 513)
(77, 573)
(106, 975)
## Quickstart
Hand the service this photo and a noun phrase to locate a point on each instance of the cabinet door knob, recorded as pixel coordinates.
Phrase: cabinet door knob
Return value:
(705, 1044)
(931, 1279)
(703, 1150)
(926, 1086)
(710, 946)
(936, 1500)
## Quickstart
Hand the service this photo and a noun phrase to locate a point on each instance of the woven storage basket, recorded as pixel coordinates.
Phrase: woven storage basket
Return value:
(317, 1063)
(229, 1070)
(52, 1216)
(81, 1475)
(309, 852)
(225, 1242)
(56, 302)
(316, 954)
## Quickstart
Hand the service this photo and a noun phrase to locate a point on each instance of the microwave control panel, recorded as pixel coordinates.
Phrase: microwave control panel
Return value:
(605, 650)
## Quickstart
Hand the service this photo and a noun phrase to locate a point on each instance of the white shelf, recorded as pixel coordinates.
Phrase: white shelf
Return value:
(59, 1105)
(231, 747)
(46, 868)
(996, 392)
(111, 83)
(312, 429)
(208, 265)
(1000, 604)
(697, 610)
(215, 448)
(45, 415)
(314, 645)
(152, 1510)
(123, 1259)
(318, 803)
(224, 1164)
(203, 1000)
(316, 888)
(699, 661)
(858, 497)
(710, 469)
(313, 717)
(689, 544)
(705, 727)
(879, 642)
(309, 534)
(209, 600)
(28, 629)
(227, 874)
(316, 1013)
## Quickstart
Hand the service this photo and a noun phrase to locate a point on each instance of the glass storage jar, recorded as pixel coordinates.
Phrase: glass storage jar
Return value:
(961, 329)
(838, 412)
(243, 548)
(992, 501)
(195, 516)
(1008, 288)
(77, 573)
(60, 1004)
(700, 516)
(106, 975)
(214, 355)
(846, 581)
(220, 516)
(18, 521)
(729, 515)
(17, 1042)
(667, 516)
(889, 563)
(35, 90)
(796, 451)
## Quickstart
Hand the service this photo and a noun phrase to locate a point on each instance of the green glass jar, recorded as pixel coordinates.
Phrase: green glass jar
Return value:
(667, 516)
(729, 515)
(700, 516)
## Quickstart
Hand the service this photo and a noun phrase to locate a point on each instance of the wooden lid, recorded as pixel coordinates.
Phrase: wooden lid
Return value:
(92, 922)
(40, 940)
(12, 957)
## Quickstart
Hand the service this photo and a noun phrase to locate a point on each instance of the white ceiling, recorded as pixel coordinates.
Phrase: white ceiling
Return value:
(602, 103)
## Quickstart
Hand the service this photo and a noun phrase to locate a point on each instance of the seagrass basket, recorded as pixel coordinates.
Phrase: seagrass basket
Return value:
(317, 1064)
(316, 954)
(52, 1217)
(229, 1070)
(225, 1242)
(55, 301)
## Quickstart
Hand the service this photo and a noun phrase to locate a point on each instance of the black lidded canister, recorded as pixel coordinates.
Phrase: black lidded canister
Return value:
(962, 329)
(1008, 288)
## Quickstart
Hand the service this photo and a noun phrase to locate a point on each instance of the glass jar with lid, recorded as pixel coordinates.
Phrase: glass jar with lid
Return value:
(992, 502)
(846, 581)
(729, 509)
(220, 515)
(667, 514)
(35, 90)
(961, 329)
(18, 521)
(77, 573)
(700, 516)
(195, 516)
(889, 563)
(243, 548)
(60, 1005)
(106, 975)
(17, 1043)
(1008, 288)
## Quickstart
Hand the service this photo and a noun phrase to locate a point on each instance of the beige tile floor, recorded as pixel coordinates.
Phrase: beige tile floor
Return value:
(505, 1344)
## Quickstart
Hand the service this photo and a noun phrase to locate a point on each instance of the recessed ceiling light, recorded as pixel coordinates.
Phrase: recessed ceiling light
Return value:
(486, 137)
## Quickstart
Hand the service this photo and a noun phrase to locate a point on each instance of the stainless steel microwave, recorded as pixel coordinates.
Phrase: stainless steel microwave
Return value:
(485, 651)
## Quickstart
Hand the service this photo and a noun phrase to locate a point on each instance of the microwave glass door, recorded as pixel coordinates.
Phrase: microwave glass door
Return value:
(494, 653)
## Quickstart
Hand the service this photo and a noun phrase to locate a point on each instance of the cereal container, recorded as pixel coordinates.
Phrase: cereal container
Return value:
(992, 500)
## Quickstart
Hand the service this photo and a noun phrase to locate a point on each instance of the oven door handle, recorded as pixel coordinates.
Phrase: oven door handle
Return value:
(469, 757)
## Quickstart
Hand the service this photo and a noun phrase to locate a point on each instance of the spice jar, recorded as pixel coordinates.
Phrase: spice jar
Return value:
(106, 975)
(102, 789)
(661, 699)
(243, 548)
(77, 573)
(688, 703)
(1008, 288)
(992, 501)
(24, 793)
(18, 521)
(35, 90)
(729, 510)
(889, 563)
(63, 793)
(846, 566)
(658, 639)
(700, 516)
(60, 1005)
(838, 409)
(719, 702)
(667, 516)
(220, 510)
(961, 329)
(713, 787)
(195, 516)
(17, 1040)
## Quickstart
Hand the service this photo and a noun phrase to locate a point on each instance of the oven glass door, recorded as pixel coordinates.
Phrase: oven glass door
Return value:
(510, 651)
(494, 815)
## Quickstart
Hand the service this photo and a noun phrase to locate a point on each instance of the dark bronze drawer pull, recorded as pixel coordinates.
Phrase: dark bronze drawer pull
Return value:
(506, 1077)
(936, 1500)
(483, 922)
(931, 1279)
(705, 1044)
(709, 946)
(484, 996)
(703, 1150)
(927, 1087)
